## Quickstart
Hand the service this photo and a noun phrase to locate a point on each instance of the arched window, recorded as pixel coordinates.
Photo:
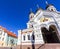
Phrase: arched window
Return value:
(23, 37)
(12, 42)
(28, 37)
(52, 10)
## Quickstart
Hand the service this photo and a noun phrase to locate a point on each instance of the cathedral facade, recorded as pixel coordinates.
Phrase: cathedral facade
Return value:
(42, 27)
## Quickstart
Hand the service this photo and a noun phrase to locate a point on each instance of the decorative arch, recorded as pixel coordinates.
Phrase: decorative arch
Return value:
(44, 31)
(52, 23)
(45, 13)
(43, 25)
(53, 28)
(51, 35)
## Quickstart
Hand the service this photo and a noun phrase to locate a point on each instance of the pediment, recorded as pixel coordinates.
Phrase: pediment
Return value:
(45, 16)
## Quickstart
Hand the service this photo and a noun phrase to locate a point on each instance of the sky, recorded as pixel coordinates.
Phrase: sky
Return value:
(14, 14)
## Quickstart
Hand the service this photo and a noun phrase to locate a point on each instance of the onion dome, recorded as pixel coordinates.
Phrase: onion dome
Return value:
(50, 7)
(31, 14)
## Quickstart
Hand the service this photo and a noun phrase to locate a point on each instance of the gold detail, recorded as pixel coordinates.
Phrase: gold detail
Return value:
(45, 19)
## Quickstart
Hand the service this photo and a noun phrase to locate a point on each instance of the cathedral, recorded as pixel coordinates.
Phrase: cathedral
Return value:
(42, 27)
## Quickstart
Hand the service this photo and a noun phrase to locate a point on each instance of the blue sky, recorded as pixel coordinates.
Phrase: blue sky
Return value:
(14, 14)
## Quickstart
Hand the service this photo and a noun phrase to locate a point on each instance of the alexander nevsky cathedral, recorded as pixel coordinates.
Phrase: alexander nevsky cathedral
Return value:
(42, 27)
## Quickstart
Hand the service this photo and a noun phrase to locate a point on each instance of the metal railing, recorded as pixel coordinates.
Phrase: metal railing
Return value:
(41, 46)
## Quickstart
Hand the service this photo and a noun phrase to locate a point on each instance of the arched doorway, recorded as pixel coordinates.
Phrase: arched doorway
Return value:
(51, 35)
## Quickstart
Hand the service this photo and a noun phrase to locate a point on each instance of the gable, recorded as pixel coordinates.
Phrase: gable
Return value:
(45, 16)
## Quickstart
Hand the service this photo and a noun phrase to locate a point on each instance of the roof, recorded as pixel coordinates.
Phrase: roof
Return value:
(8, 32)
(38, 9)
(27, 30)
(49, 5)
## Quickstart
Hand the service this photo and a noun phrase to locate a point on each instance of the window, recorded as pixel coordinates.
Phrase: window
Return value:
(31, 26)
(0, 32)
(2, 44)
(23, 37)
(28, 37)
(2, 39)
(12, 42)
(52, 10)
(37, 35)
(4, 34)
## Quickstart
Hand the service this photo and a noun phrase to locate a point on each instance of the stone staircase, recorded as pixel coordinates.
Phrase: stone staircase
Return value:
(42, 46)
(50, 46)
(45, 46)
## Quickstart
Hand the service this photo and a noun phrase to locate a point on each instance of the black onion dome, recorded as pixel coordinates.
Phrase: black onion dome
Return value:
(30, 13)
(49, 5)
(38, 9)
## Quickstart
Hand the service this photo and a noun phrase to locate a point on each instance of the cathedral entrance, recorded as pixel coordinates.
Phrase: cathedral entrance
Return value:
(50, 36)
